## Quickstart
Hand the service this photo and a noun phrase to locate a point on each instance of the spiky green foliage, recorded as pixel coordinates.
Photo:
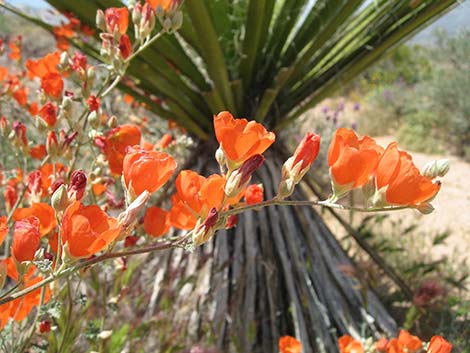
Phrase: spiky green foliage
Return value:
(270, 60)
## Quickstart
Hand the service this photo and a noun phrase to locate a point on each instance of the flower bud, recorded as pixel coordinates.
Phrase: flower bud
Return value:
(129, 217)
(167, 25)
(100, 20)
(177, 21)
(205, 230)
(4, 127)
(137, 13)
(112, 122)
(60, 199)
(45, 326)
(77, 186)
(425, 208)
(232, 221)
(220, 157)
(238, 179)
(436, 169)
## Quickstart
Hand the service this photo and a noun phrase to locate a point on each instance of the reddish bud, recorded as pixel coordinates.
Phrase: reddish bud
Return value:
(125, 46)
(307, 151)
(232, 221)
(93, 103)
(20, 133)
(48, 113)
(77, 185)
(249, 167)
(45, 326)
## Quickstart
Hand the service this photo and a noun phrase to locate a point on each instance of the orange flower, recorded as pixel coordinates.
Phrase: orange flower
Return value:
(288, 344)
(352, 160)
(38, 152)
(395, 346)
(347, 344)
(195, 196)
(117, 17)
(405, 184)
(43, 212)
(52, 84)
(3, 228)
(15, 51)
(164, 4)
(3, 73)
(412, 343)
(439, 345)
(156, 221)
(381, 344)
(241, 139)
(26, 239)
(19, 309)
(87, 229)
(43, 66)
(115, 143)
(33, 108)
(146, 170)
(254, 194)
(21, 96)
(50, 174)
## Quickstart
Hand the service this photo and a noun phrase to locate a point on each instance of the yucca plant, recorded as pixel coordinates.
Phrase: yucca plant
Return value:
(279, 271)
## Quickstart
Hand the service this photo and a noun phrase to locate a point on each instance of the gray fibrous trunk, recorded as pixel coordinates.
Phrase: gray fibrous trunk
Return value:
(277, 273)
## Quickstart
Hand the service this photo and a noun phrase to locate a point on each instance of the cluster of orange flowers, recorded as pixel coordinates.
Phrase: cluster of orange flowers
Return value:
(388, 177)
(404, 343)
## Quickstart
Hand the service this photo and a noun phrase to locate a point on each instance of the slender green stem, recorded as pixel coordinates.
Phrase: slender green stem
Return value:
(90, 262)
(326, 203)
(144, 46)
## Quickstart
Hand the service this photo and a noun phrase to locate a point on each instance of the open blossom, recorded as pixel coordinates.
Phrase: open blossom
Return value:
(288, 344)
(241, 139)
(43, 212)
(52, 84)
(439, 345)
(347, 344)
(41, 67)
(352, 160)
(26, 239)
(156, 221)
(20, 308)
(87, 229)
(146, 170)
(402, 180)
(195, 196)
(115, 143)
